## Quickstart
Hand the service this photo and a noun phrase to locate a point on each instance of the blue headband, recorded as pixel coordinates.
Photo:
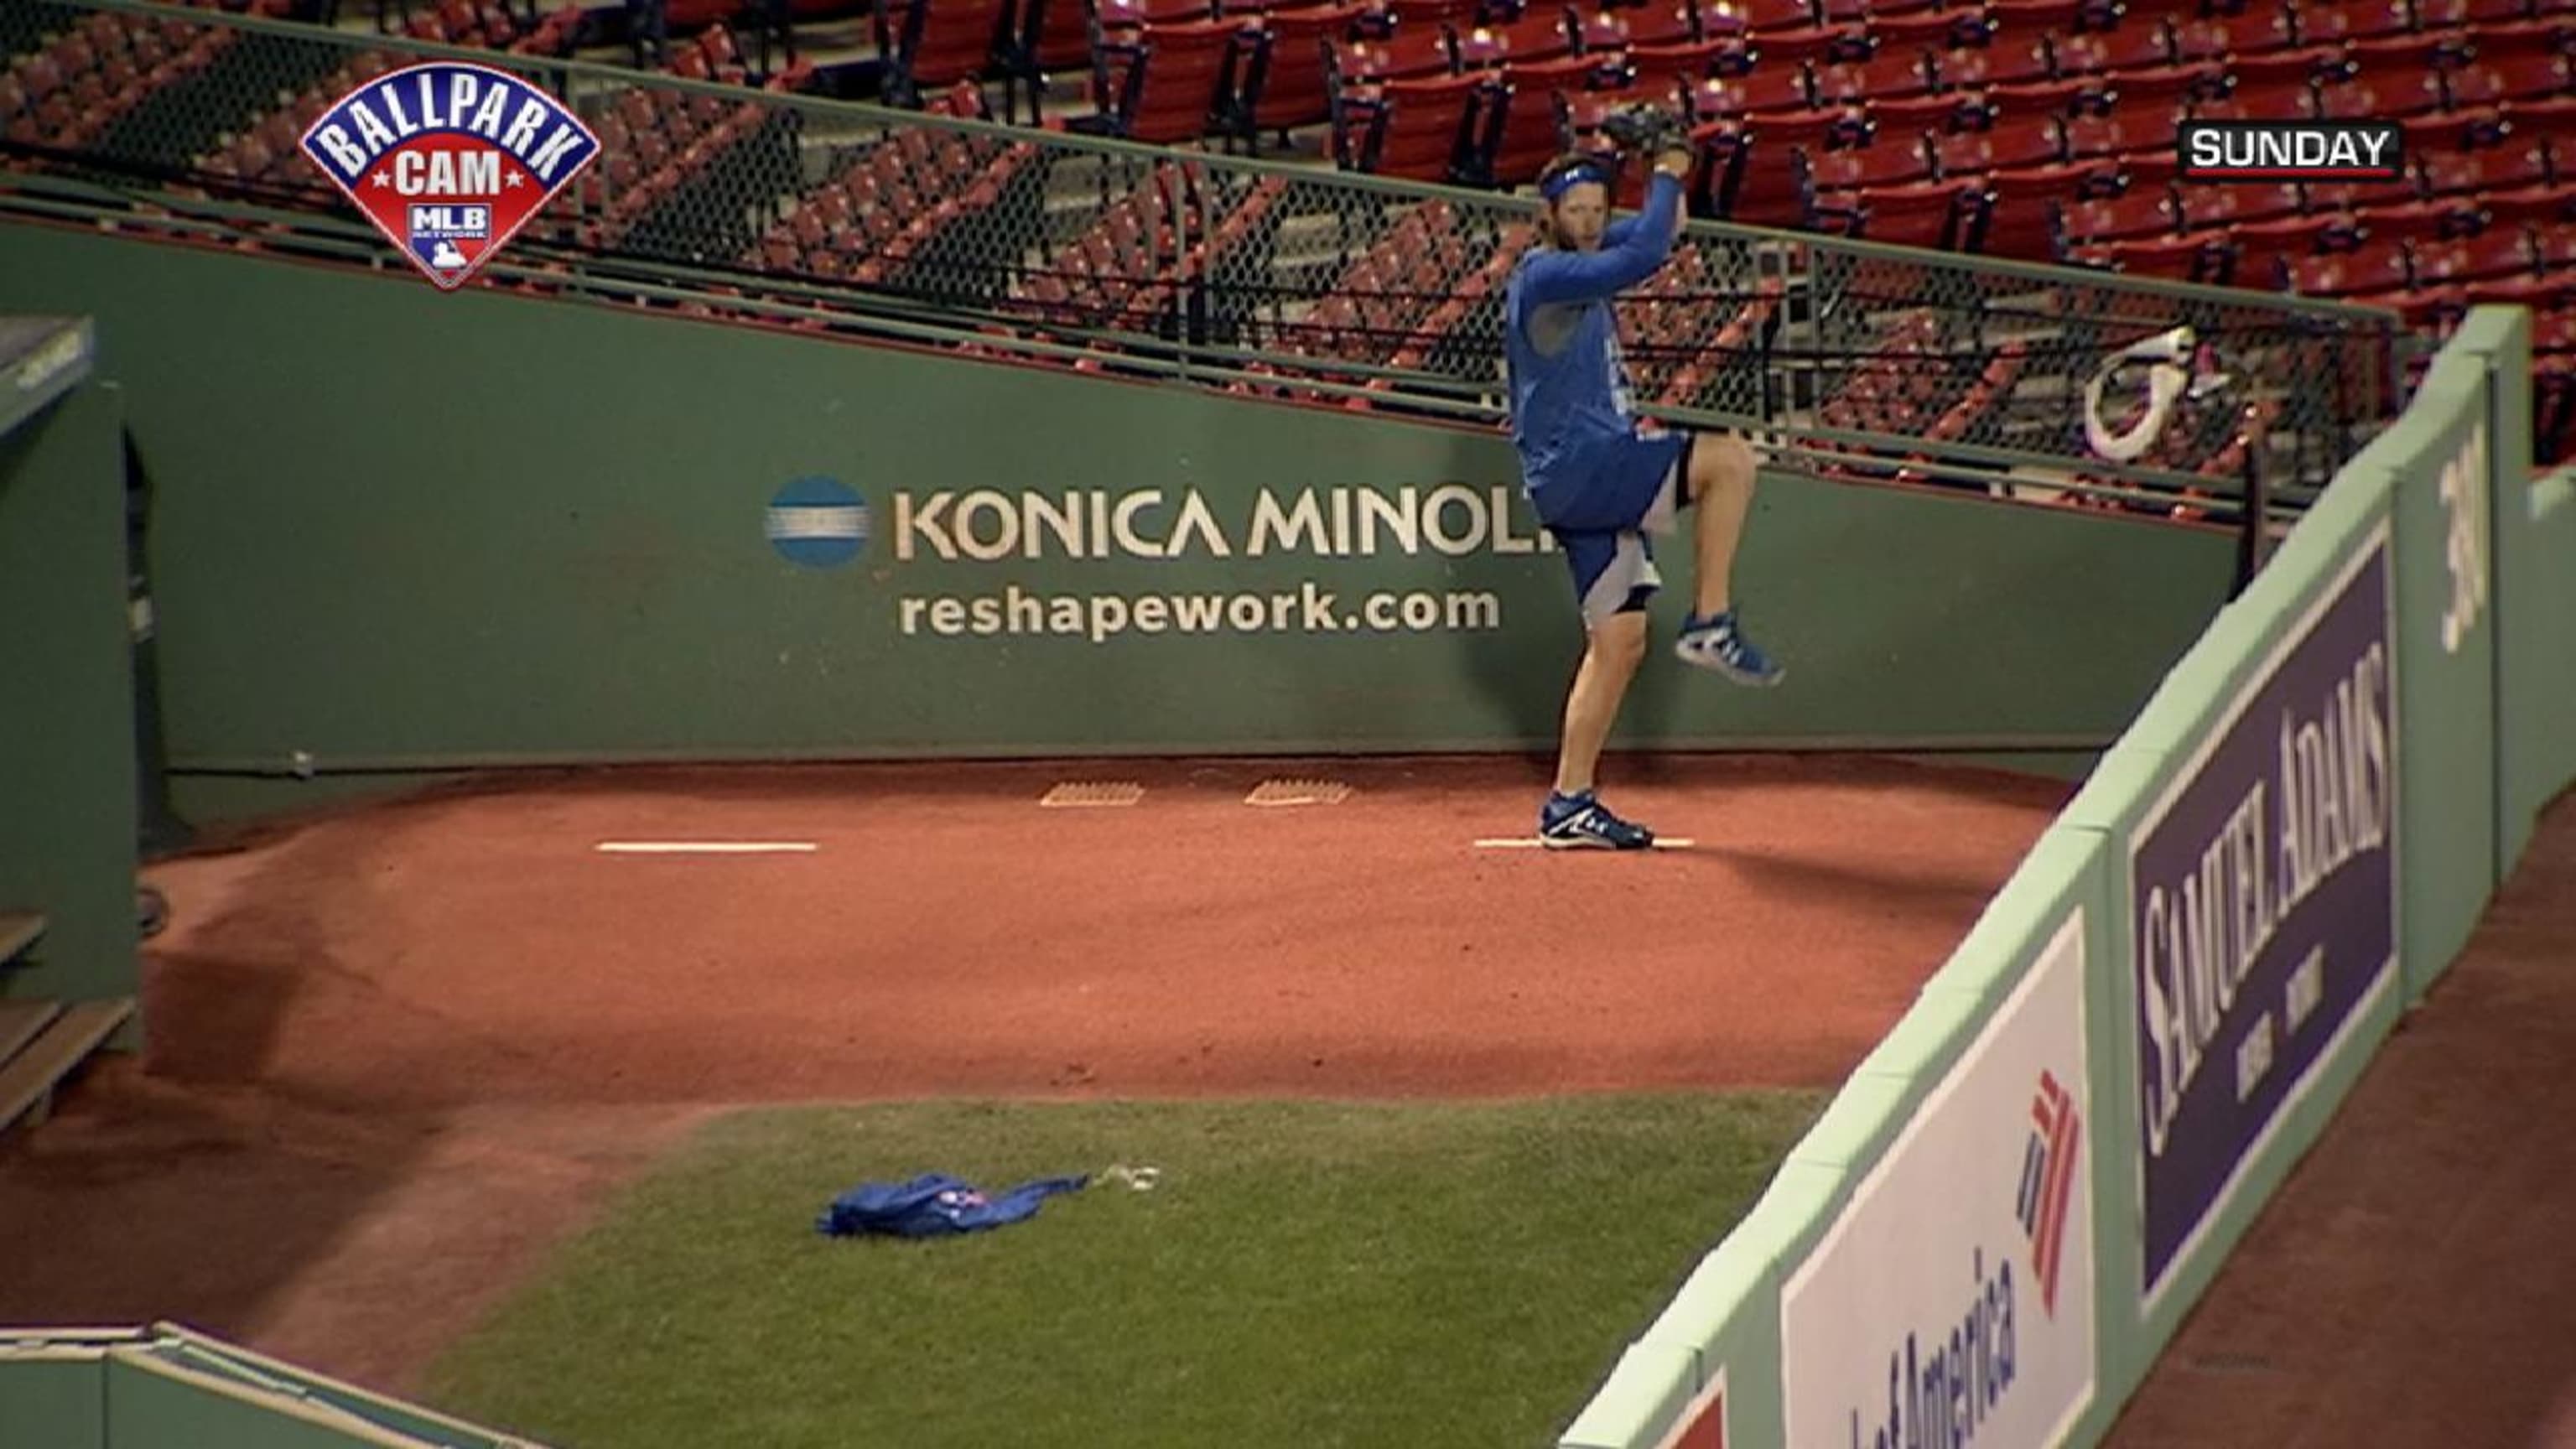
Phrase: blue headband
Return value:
(1569, 180)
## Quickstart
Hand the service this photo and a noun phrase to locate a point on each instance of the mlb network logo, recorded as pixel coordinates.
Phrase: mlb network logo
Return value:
(2048, 1181)
(449, 160)
(2292, 151)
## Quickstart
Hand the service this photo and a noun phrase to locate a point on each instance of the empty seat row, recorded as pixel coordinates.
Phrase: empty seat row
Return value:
(66, 95)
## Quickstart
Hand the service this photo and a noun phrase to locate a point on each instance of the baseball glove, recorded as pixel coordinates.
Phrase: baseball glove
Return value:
(1645, 129)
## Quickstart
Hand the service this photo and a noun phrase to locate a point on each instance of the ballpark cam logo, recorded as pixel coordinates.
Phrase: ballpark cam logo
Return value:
(449, 160)
(2047, 1178)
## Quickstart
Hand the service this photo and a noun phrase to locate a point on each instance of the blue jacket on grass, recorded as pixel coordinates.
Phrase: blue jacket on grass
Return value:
(935, 1205)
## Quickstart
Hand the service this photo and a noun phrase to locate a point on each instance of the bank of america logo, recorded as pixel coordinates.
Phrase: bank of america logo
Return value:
(2048, 1181)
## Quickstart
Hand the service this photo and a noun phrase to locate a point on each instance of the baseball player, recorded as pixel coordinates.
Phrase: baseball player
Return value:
(1602, 480)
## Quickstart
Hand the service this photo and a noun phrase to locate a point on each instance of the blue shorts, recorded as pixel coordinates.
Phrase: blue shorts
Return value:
(1604, 504)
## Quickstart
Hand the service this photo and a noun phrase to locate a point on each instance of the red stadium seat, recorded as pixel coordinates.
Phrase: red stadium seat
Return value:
(1162, 83)
(1892, 161)
(2383, 99)
(1657, 69)
(1659, 22)
(2255, 31)
(1762, 180)
(2489, 168)
(1519, 132)
(1766, 91)
(1408, 55)
(1939, 30)
(2356, 21)
(2453, 14)
(1288, 78)
(2497, 42)
(2283, 83)
(2198, 256)
(2261, 247)
(2544, 206)
(929, 44)
(2020, 215)
(1057, 33)
(2144, 213)
(1934, 214)
(2547, 116)
(2021, 144)
(2005, 63)
(1814, 45)
(2018, 21)
(1896, 74)
(2202, 207)
(2374, 269)
(2513, 78)
(1941, 112)
(2502, 253)
(1838, 178)
(2087, 137)
(2129, 48)
(2398, 216)
(1760, 16)
(1413, 128)
(1431, 14)
(1542, 33)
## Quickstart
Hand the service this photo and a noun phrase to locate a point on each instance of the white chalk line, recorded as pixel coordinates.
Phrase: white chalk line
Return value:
(706, 847)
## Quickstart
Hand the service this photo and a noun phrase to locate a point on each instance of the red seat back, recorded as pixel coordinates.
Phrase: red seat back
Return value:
(1419, 125)
(1293, 65)
(1521, 132)
(939, 42)
(1766, 182)
(1180, 68)
(1656, 69)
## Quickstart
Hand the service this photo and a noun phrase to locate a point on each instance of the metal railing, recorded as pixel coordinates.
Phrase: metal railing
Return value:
(1848, 359)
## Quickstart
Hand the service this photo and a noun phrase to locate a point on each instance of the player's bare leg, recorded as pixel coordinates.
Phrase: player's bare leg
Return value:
(1572, 815)
(1721, 479)
(1721, 487)
(1610, 660)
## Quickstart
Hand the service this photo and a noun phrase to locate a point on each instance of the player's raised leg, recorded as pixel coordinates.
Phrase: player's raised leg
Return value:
(1720, 486)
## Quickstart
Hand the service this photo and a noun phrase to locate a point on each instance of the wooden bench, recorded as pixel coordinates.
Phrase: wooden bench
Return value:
(42, 1042)
(19, 930)
(22, 1022)
(54, 1040)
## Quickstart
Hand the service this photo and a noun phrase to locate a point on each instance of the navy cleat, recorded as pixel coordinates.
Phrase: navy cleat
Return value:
(1717, 642)
(1581, 822)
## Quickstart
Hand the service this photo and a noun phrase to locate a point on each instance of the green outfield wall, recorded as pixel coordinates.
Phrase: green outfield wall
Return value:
(398, 529)
(2014, 1201)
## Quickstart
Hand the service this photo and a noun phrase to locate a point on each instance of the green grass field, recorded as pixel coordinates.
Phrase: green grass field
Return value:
(1303, 1275)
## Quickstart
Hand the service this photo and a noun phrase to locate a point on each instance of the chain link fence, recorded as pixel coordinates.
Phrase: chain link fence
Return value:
(1270, 279)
